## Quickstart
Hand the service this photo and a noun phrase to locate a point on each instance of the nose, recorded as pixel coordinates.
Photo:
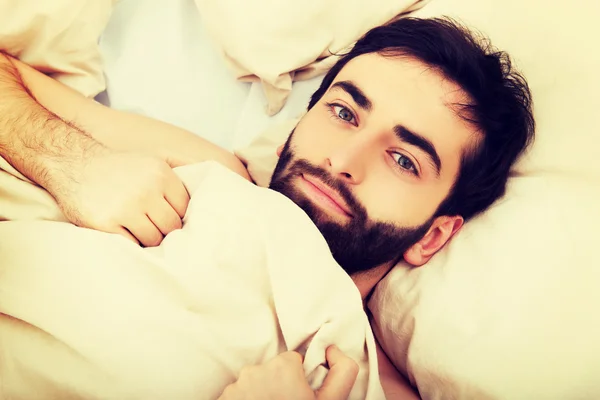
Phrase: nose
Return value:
(348, 161)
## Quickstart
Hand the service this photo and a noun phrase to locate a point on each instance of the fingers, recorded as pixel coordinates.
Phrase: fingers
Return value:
(177, 195)
(293, 357)
(164, 214)
(144, 231)
(280, 378)
(123, 232)
(341, 377)
(164, 217)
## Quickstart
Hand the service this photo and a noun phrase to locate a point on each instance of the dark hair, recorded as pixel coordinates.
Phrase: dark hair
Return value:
(500, 103)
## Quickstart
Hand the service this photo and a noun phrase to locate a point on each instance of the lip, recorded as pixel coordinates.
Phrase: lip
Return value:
(324, 196)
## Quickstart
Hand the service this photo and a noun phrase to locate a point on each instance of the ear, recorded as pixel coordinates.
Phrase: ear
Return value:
(441, 231)
(280, 150)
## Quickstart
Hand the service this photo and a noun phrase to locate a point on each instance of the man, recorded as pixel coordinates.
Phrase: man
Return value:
(411, 133)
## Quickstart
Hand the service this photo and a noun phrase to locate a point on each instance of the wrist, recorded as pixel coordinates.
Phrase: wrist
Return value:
(64, 159)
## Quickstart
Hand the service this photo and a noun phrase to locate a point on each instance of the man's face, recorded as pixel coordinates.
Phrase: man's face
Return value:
(374, 158)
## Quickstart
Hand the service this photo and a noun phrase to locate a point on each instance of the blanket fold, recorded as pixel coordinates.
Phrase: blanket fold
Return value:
(279, 42)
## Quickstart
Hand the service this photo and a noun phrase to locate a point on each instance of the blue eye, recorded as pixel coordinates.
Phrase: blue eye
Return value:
(343, 113)
(404, 162)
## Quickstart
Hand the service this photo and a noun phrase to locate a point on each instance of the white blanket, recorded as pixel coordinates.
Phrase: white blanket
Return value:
(90, 315)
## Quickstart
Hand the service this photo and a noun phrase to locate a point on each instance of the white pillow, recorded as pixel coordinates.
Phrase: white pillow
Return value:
(278, 42)
(508, 309)
(58, 37)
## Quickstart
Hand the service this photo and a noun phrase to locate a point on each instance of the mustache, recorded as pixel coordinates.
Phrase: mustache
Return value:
(301, 166)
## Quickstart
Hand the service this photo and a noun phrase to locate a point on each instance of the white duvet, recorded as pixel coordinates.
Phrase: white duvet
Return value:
(90, 315)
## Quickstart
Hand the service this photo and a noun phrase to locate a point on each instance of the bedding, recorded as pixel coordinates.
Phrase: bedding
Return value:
(504, 312)
(280, 42)
(59, 37)
(21, 199)
(237, 285)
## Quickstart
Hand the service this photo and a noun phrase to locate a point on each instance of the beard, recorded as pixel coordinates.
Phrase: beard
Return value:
(359, 245)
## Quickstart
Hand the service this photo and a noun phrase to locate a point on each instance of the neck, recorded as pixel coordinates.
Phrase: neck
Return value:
(366, 281)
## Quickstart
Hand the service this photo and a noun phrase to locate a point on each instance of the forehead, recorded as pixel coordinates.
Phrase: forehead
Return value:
(408, 92)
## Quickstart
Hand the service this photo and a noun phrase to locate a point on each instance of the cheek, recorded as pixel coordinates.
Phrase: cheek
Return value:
(314, 136)
(397, 200)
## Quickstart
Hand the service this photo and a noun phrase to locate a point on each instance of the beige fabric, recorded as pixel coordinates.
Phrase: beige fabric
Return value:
(58, 37)
(21, 199)
(260, 155)
(85, 314)
(281, 41)
(509, 309)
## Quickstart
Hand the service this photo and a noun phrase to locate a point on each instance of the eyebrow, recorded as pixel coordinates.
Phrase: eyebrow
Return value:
(357, 95)
(422, 143)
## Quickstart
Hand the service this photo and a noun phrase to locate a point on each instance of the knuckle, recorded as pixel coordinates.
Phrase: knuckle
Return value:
(289, 358)
(162, 170)
(154, 171)
(295, 357)
(150, 236)
(174, 224)
(155, 240)
(181, 197)
(178, 223)
(172, 221)
(351, 366)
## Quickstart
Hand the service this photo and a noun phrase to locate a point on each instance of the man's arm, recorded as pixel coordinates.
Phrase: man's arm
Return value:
(122, 130)
(32, 139)
(107, 170)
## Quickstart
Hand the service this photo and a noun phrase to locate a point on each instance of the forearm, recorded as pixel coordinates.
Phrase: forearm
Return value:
(126, 131)
(34, 140)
